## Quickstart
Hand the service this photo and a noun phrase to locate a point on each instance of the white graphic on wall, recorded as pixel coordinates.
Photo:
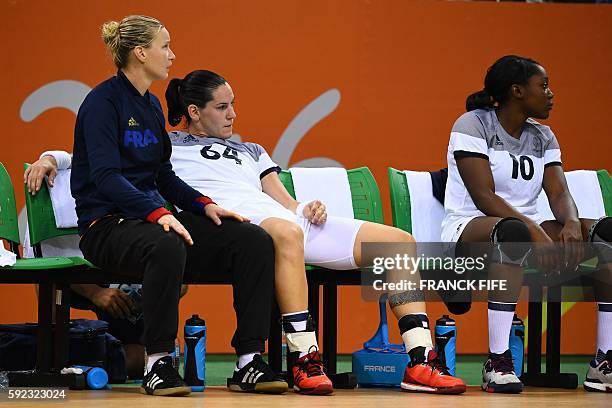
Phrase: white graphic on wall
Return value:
(59, 94)
(313, 113)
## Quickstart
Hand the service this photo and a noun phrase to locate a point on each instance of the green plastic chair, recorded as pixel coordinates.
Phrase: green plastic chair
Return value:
(9, 230)
(367, 205)
(401, 213)
(365, 195)
(41, 222)
(605, 183)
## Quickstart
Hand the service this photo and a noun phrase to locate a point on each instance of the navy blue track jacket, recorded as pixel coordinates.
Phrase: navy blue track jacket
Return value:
(121, 156)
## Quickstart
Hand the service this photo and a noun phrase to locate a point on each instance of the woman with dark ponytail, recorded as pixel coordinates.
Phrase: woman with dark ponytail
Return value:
(499, 159)
(195, 89)
(243, 178)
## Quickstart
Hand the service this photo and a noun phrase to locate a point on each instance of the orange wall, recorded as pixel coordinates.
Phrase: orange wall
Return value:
(403, 69)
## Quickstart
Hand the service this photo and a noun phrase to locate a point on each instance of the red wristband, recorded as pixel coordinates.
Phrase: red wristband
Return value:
(204, 200)
(157, 214)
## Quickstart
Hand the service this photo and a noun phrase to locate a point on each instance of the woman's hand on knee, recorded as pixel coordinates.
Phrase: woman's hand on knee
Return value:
(170, 223)
(315, 212)
(546, 251)
(571, 237)
(215, 213)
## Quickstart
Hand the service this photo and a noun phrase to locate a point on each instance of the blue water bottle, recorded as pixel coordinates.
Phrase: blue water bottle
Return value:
(195, 352)
(96, 377)
(517, 344)
(446, 339)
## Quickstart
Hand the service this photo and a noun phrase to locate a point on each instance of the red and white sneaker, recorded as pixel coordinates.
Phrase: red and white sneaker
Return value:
(430, 375)
(498, 374)
(309, 376)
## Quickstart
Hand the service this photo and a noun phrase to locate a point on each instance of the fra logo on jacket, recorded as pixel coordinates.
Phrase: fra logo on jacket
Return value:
(139, 139)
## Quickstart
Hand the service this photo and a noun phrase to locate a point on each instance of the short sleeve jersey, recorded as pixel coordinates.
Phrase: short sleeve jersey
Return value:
(517, 164)
(229, 172)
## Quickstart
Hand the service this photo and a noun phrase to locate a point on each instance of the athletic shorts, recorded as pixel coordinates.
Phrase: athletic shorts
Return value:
(330, 245)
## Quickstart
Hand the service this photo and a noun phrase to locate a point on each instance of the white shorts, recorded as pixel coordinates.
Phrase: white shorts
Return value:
(453, 226)
(330, 245)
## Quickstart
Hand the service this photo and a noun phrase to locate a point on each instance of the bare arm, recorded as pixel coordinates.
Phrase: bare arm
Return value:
(560, 200)
(272, 186)
(314, 211)
(565, 211)
(113, 301)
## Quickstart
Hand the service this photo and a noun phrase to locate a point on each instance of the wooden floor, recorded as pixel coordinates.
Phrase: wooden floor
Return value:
(390, 398)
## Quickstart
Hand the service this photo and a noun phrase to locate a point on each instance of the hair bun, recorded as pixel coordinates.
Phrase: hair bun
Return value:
(110, 32)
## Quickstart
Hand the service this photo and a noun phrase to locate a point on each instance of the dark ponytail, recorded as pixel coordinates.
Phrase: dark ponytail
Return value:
(505, 72)
(478, 100)
(195, 89)
(176, 110)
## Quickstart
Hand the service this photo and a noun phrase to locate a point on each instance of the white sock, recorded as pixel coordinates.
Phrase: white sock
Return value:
(244, 359)
(604, 327)
(152, 359)
(500, 323)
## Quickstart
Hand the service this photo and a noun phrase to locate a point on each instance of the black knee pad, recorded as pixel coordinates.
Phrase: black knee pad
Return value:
(459, 308)
(601, 230)
(511, 242)
(600, 235)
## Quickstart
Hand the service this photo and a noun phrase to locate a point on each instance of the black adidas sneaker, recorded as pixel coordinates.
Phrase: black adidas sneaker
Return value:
(164, 380)
(257, 376)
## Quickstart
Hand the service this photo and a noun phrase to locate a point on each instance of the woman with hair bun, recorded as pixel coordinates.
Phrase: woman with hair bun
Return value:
(499, 160)
(121, 177)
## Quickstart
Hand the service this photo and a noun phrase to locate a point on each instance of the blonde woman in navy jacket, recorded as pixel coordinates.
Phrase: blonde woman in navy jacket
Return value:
(121, 177)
